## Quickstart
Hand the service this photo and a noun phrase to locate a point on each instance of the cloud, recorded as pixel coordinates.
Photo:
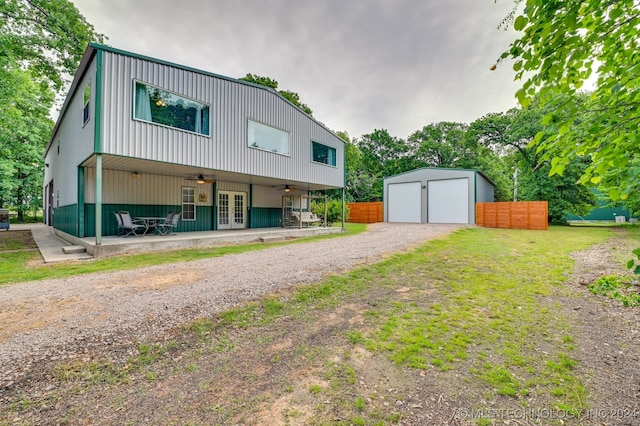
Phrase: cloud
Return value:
(360, 64)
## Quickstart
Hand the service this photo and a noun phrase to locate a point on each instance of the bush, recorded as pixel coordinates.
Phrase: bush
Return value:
(334, 210)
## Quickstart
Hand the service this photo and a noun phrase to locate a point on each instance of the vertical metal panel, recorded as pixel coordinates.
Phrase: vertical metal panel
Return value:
(266, 196)
(147, 189)
(232, 103)
(75, 142)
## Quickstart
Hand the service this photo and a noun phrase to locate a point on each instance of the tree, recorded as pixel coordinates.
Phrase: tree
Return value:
(510, 135)
(24, 130)
(562, 44)
(440, 145)
(292, 97)
(46, 36)
(383, 155)
(41, 44)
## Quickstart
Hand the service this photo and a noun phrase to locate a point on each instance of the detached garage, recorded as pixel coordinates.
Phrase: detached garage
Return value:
(435, 195)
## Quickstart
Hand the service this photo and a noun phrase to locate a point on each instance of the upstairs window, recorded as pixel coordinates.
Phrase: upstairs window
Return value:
(267, 138)
(154, 105)
(323, 154)
(86, 98)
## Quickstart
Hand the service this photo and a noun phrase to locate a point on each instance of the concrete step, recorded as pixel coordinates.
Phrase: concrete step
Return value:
(272, 239)
(74, 249)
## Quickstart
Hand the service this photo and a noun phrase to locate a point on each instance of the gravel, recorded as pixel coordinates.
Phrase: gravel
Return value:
(69, 318)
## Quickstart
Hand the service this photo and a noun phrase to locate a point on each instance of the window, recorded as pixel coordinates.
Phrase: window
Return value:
(188, 203)
(323, 154)
(86, 98)
(268, 138)
(158, 106)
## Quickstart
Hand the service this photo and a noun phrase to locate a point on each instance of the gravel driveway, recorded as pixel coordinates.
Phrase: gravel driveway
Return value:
(65, 318)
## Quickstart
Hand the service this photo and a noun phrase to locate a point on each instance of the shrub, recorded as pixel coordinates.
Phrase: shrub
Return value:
(334, 210)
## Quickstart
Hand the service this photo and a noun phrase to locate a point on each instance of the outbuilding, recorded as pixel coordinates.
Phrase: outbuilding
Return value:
(436, 195)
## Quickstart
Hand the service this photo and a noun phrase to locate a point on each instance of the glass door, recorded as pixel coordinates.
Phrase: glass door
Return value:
(232, 210)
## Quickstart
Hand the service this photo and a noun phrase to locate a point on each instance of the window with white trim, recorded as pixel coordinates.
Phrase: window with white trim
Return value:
(188, 203)
(268, 138)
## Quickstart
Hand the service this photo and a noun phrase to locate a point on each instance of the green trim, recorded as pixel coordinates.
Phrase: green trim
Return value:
(214, 205)
(250, 209)
(97, 131)
(81, 202)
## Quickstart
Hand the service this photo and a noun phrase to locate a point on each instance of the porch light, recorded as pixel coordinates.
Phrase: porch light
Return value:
(200, 179)
(287, 188)
(135, 175)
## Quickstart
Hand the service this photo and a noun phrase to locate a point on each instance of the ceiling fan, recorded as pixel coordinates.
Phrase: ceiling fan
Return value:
(201, 179)
(286, 188)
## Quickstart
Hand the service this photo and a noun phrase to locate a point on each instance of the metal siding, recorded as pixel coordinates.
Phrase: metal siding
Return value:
(266, 196)
(76, 143)
(231, 104)
(148, 189)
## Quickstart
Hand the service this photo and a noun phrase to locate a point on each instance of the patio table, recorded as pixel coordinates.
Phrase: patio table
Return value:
(150, 221)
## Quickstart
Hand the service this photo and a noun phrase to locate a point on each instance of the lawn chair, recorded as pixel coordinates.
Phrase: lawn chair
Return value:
(167, 228)
(130, 226)
(120, 230)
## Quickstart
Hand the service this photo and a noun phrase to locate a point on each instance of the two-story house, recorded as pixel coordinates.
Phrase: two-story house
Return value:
(149, 136)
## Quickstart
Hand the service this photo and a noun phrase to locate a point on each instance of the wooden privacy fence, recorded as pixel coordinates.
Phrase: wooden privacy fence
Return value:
(365, 212)
(515, 215)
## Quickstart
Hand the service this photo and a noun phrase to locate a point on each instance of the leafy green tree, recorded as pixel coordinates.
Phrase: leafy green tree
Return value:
(25, 127)
(562, 44)
(41, 44)
(47, 36)
(292, 97)
(441, 145)
(510, 134)
(383, 155)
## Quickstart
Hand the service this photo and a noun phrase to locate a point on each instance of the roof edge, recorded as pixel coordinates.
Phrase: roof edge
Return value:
(444, 168)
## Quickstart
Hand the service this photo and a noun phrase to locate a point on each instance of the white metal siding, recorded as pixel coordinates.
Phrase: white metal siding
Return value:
(232, 104)
(448, 201)
(76, 142)
(147, 189)
(266, 196)
(404, 202)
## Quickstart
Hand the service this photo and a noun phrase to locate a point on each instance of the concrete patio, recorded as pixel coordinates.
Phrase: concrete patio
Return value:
(113, 245)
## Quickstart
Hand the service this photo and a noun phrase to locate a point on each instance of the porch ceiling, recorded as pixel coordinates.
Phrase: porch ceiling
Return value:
(128, 164)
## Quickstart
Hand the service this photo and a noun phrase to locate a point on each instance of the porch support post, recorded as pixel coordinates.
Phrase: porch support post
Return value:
(98, 222)
(343, 207)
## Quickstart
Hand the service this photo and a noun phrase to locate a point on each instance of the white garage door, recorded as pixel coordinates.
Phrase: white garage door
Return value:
(404, 201)
(448, 201)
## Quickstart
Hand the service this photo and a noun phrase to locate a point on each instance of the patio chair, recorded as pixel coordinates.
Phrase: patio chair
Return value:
(120, 230)
(168, 227)
(130, 226)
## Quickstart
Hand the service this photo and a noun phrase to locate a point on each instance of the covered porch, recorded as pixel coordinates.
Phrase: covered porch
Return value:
(114, 245)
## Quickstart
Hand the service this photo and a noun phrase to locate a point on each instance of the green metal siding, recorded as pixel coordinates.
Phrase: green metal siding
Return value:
(66, 219)
(262, 217)
(110, 226)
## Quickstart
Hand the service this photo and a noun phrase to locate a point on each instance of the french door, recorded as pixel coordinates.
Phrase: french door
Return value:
(232, 210)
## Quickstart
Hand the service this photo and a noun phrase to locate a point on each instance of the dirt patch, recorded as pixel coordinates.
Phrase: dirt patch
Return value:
(12, 241)
(306, 368)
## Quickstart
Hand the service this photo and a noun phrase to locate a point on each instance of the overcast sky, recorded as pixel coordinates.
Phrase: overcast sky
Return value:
(360, 65)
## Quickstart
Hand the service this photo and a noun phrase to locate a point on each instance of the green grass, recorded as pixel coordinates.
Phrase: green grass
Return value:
(480, 307)
(493, 289)
(617, 288)
(18, 267)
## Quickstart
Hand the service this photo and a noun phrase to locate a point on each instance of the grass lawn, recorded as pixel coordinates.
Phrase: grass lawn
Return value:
(475, 318)
(28, 266)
